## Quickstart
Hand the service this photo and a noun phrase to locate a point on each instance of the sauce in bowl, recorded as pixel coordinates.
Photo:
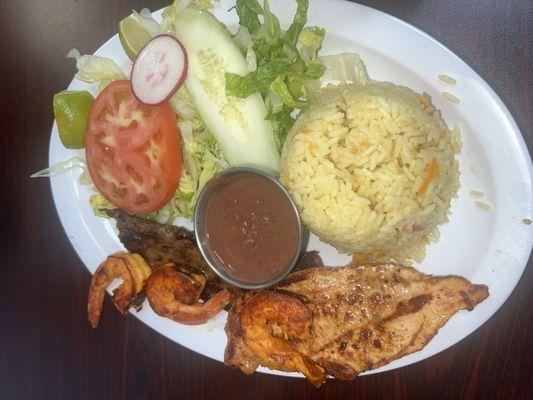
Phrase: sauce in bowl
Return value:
(248, 228)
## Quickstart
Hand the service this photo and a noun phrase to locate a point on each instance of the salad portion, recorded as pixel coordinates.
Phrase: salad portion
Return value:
(199, 99)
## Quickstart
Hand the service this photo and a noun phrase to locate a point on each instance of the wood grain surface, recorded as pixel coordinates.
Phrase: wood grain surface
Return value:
(47, 348)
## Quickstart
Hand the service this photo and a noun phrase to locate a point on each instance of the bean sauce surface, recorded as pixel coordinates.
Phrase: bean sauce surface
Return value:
(252, 228)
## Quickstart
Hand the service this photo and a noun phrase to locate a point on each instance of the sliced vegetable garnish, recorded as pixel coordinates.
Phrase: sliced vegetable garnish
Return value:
(71, 110)
(239, 125)
(135, 31)
(132, 150)
(159, 70)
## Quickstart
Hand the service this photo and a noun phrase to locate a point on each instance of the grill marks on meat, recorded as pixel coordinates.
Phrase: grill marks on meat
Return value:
(160, 244)
(363, 317)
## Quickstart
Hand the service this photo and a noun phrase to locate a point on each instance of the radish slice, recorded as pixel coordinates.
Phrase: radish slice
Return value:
(159, 70)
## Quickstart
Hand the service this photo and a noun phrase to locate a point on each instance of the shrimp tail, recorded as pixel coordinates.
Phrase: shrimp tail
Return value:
(174, 294)
(133, 271)
(95, 302)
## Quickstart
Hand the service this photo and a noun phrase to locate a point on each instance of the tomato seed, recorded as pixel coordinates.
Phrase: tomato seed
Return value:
(133, 125)
(119, 191)
(141, 199)
(134, 175)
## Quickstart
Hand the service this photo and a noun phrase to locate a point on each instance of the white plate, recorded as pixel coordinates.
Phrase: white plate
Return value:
(485, 247)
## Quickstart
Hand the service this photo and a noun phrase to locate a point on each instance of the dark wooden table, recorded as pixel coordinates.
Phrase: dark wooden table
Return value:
(48, 350)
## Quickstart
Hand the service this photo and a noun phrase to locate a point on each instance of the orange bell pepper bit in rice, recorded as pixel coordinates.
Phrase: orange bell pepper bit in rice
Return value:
(433, 171)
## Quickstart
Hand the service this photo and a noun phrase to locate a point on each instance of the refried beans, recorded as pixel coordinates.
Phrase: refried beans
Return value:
(252, 229)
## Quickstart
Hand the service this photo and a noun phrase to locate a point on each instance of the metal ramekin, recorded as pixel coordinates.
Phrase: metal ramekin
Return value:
(201, 237)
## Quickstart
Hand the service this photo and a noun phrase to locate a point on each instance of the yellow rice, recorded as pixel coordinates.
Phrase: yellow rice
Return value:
(372, 169)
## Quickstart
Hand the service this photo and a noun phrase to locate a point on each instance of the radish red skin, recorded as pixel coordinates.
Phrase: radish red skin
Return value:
(180, 81)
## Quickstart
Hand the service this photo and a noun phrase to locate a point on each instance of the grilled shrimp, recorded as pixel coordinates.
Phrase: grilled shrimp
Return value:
(273, 323)
(131, 268)
(174, 294)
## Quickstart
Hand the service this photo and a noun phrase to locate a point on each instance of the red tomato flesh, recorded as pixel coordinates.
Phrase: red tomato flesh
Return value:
(132, 150)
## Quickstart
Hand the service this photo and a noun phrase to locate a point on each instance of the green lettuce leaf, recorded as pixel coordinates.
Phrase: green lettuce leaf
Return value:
(248, 12)
(270, 30)
(257, 81)
(310, 41)
(298, 24)
(241, 86)
(100, 204)
(296, 87)
(280, 88)
(282, 123)
(288, 70)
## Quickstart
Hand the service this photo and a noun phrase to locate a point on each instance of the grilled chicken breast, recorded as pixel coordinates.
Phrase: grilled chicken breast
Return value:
(359, 318)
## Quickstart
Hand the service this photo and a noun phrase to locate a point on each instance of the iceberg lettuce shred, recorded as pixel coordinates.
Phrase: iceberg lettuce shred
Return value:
(101, 70)
(345, 67)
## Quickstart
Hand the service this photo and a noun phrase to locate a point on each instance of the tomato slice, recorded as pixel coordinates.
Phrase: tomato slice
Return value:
(132, 150)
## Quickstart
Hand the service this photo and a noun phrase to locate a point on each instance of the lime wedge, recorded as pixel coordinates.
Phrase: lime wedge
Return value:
(133, 35)
(71, 110)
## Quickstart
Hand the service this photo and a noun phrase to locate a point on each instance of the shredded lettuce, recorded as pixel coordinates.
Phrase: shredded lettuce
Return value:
(286, 67)
(188, 144)
(62, 167)
(147, 21)
(169, 18)
(202, 159)
(248, 12)
(243, 39)
(345, 67)
(182, 105)
(293, 33)
(251, 59)
(310, 43)
(279, 87)
(204, 4)
(100, 204)
(270, 30)
(257, 81)
(170, 12)
(98, 69)
(282, 122)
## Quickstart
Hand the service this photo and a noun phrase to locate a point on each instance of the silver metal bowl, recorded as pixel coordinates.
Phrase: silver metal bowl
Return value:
(201, 234)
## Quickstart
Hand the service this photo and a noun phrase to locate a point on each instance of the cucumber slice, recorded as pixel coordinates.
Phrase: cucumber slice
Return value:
(245, 137)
